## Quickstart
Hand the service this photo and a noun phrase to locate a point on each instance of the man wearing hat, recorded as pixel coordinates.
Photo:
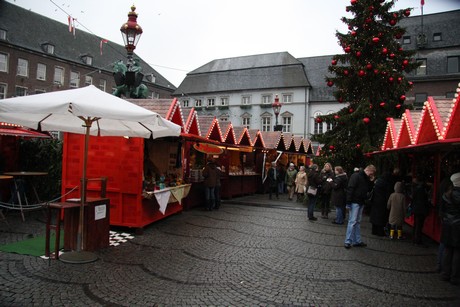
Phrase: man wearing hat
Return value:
(450, 235)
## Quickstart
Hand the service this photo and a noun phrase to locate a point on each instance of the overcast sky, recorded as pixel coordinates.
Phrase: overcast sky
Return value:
(182, 35)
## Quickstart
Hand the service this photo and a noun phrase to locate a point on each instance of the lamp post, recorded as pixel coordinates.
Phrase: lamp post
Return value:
(276, 109)
(129, 78)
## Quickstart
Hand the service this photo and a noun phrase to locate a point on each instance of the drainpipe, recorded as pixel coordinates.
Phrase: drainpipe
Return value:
(306, 127)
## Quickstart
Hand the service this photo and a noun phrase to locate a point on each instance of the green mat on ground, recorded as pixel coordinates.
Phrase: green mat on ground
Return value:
(33, 247)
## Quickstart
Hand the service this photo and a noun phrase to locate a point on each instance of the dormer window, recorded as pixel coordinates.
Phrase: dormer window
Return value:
(151, 78)
(3, 34)
(87, 59)
(48, 48)
(437, 37)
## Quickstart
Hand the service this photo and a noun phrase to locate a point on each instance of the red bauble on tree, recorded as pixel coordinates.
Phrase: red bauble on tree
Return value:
(366, 120)
(358, 54)
(330, 83)
(382, 104)
(407, 13)
(369, 66)
(391, 79)
(350, 110)
(358, 145)
(402, 97)
(361, 73)
(334, 62)
(340, 99)
(319, 120)
(346, 72)
(353, 2)
(375, 40)
(331, 147)
(336, 117)
(384, 50)
(347, 49)
(406, 62)
(353, 33)
(392, 22)
(398, 106)
(392, 55)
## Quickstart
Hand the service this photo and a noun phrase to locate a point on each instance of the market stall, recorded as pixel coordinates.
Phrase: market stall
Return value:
(426, 143)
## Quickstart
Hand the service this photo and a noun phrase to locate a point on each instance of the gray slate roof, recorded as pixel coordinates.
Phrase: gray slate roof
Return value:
(30, 30)
(316, 69)
(255, 72)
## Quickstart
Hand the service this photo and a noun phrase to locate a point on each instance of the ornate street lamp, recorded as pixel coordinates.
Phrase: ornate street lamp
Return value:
(277, 109)
(129, 78)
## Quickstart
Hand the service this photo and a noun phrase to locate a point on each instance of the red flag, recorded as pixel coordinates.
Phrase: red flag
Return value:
(422, 2)
(103, 41)
(69, 19)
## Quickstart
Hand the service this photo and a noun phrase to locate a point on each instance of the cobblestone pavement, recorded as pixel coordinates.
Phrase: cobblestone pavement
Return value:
(251, 252)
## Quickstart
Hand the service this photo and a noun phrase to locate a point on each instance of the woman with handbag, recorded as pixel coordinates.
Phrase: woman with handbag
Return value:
(314, 184)
(301, 182)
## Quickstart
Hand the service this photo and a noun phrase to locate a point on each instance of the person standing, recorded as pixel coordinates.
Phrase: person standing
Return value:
(291, 174)
(359, 185)
(420, 207)
(301, 182)
(314, 185)
(273, 178)
(281, 176)
(327, 175)
(450, 234)
(397, 205)
(338, 194)
(383, 188)
(210, 179)
(217, 188)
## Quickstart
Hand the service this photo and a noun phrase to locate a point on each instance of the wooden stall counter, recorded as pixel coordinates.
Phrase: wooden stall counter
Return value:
(239, 185)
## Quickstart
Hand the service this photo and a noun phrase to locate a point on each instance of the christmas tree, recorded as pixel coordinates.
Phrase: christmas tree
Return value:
(369, 78)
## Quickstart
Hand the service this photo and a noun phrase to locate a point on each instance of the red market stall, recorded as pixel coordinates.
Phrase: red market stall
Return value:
(427, 142)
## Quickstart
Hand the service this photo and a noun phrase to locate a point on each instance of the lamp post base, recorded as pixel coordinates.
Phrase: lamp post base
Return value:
(78, 257)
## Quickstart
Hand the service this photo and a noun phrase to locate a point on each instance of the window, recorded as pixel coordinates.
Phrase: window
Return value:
(318, 126)
(3, 62)
(450, 95)
(21, 91)
(452, 64)
(88, 60)
(88, 80)
(223, 118)
(151, 78)
(74, 79)
(420, 99)
(39, 91)
(41, 71)
(421, 70)
(224, 101)
(211, 102)
(287, 98)
(58, 75)
(186, 103)
(245, 100)
(437, 37)
(154, 95)
(287, 123)
(2, 34)
(246, 122)
(3, 89)
(102, 84)
(406, 40)
(23, 67)
(48, 48)
(198, 103)
(266, 99)
(266, 123)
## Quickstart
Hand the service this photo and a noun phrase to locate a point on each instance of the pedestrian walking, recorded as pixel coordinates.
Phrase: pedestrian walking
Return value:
(281, 177)
(273, 179)
(210, 179)
(313, 190)
(327, 175)
(301, 182)
(359, 185)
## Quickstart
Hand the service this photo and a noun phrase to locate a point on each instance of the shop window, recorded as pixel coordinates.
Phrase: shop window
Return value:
(41, 71)
(421, 70)
(3, 62)
(420, 99)
(102, 84)
(23, 67)
(266, 123)
(453, 64)
(74, 79)
(58, 75)
(3, 89)
(21, 91)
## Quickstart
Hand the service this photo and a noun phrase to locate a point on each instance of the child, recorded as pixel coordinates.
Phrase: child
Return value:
(397, 206)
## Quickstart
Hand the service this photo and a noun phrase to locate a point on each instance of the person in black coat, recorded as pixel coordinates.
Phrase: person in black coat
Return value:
(314, 180)
(450, 234)
(379, 211)
(273, 177)
(420, 207)
(338, 194)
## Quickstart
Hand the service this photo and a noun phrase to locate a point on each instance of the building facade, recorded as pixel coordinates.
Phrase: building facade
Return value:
(38, 54)
(242, 89)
